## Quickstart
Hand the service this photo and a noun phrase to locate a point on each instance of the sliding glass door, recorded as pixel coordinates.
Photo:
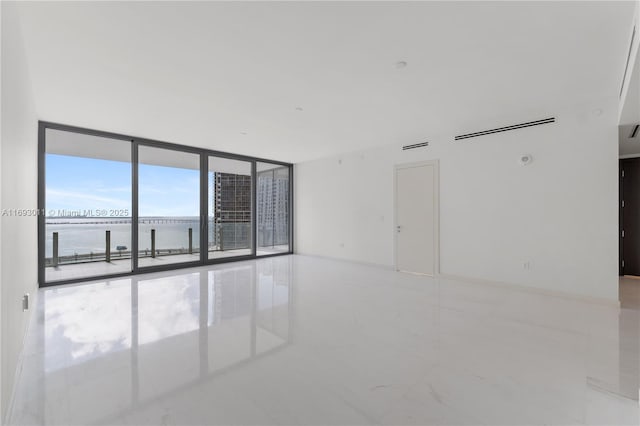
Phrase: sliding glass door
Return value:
(168, 206)
(86, 216)
(273, 206)
(229, 208)
(111, 205)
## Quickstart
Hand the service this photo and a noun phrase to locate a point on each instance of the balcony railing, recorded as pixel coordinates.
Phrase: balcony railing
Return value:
(223, 237)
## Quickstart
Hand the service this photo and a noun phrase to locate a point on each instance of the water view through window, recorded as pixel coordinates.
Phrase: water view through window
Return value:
(87, 206)
(89, 202)
(169, 206)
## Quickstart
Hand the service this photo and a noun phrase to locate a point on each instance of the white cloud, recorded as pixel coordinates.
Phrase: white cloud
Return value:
(55, 197)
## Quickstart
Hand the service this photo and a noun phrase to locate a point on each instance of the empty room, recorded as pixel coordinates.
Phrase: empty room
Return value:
(320, 213)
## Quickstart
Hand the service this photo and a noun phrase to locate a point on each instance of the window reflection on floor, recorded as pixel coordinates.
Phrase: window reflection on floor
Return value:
(188, 325)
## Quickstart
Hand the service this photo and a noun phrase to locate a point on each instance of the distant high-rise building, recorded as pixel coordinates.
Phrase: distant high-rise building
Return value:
(273, 207)
(231, 208)
(230, 226)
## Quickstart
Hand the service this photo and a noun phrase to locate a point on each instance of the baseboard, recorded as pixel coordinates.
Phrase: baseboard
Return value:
(339, 259)
(501, 284)
(535, 290)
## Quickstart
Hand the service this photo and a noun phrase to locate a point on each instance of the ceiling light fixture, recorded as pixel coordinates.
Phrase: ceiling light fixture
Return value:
(401, 64)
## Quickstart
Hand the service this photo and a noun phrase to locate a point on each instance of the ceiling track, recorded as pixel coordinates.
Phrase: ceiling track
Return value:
(626, 67)
(415, 145)
(506, 128)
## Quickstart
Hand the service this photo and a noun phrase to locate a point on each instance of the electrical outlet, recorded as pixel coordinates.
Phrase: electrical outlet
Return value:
(25, 302)
(526, 265)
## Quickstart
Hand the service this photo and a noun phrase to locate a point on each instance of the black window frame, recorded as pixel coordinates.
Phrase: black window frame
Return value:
(136, 142)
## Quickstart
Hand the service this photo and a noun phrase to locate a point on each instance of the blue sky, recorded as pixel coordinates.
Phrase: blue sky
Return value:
(77, 183)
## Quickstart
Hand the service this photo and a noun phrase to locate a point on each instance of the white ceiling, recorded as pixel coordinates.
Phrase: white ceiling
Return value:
(203, 73)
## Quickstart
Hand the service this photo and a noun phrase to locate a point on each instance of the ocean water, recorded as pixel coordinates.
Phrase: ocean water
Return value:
(84, 236)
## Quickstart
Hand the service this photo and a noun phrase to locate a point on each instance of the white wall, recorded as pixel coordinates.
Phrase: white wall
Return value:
(18, 165)
(558, 213)
(1, 286)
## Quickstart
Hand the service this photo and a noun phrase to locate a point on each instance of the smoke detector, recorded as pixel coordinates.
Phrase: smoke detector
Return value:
(525, 159)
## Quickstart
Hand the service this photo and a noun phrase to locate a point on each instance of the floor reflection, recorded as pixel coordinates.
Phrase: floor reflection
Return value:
(155, 335)
(303, 340)
(85, 322)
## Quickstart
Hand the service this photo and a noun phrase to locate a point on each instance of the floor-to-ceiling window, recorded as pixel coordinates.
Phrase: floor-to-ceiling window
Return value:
(112, 204)
(230, 207)
(273, 208)
(168, 206)
(87, 206)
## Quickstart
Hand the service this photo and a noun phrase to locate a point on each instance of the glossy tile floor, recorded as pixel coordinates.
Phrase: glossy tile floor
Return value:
(300, 340)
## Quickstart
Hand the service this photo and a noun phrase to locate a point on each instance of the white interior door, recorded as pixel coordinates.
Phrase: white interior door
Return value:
(416, 218)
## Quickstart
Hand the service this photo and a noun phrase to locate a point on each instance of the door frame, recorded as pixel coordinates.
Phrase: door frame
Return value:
(620, 217)
(436, 217)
